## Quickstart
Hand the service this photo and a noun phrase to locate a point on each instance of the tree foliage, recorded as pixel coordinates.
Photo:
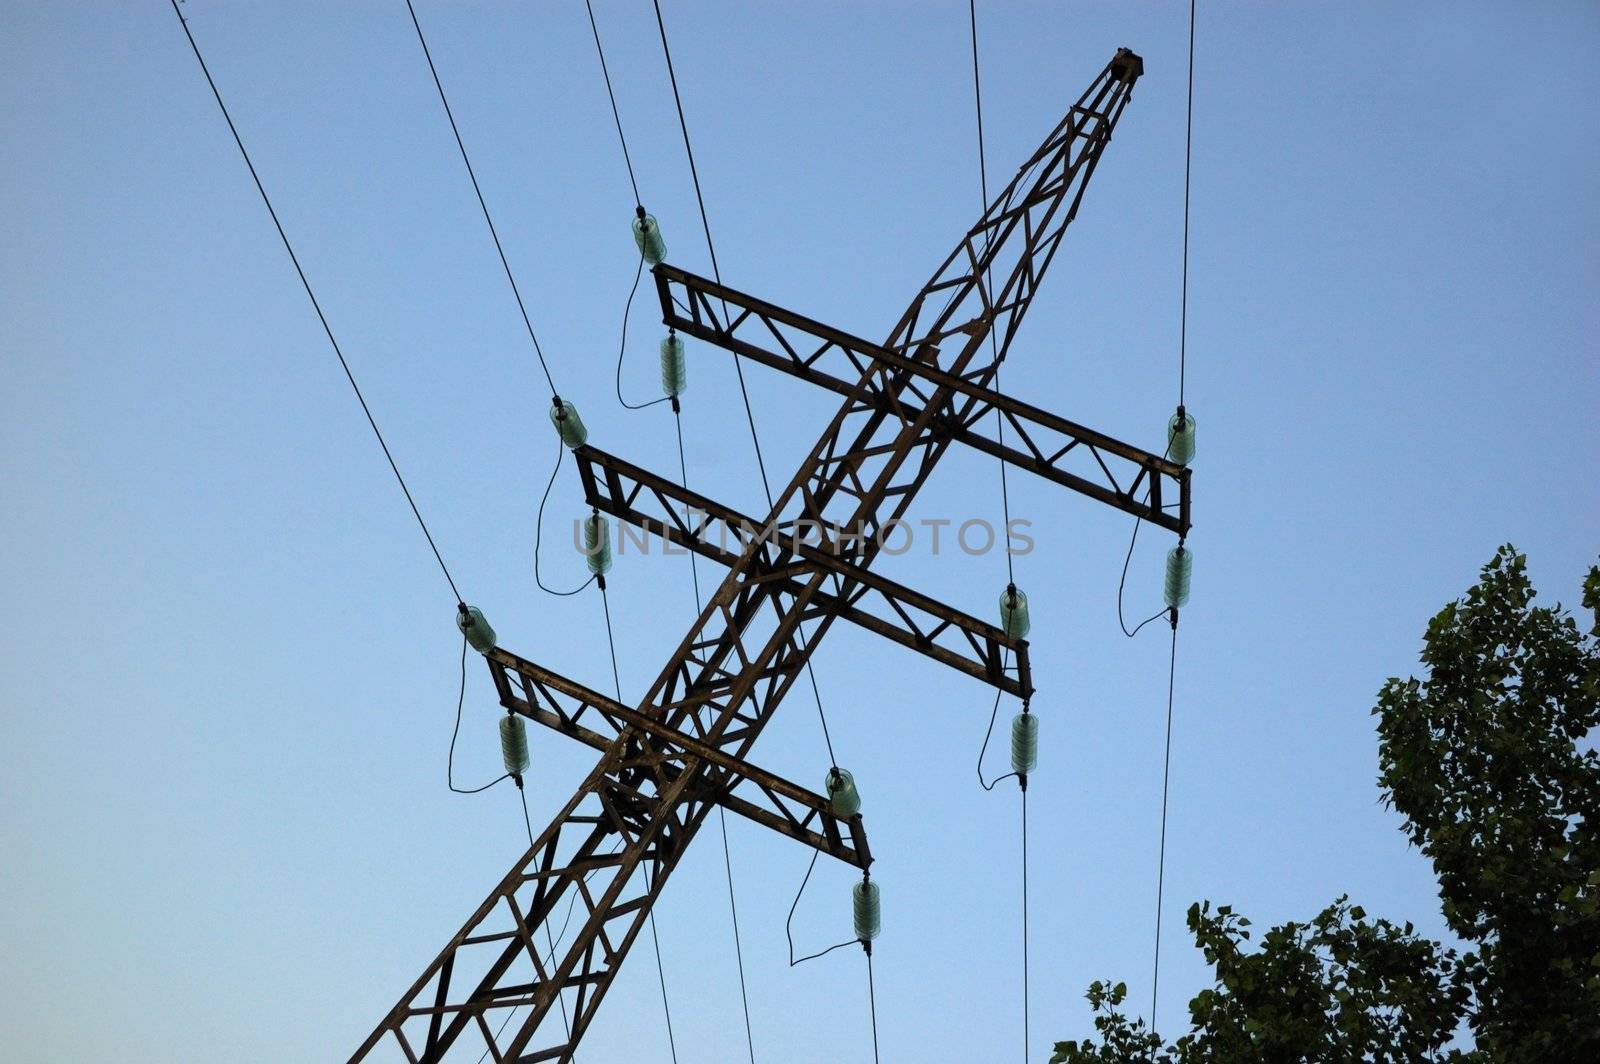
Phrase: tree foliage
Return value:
(1489, 759)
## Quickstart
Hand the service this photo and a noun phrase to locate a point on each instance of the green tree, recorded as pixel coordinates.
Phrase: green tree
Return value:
(1489, 759)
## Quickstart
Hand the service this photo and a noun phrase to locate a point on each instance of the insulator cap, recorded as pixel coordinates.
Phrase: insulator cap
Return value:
(647, 234)
(844, 801)
(1014, 613)
(597, 543)
(674, 368)
(1180, 438)
(1180, 566)
(1024, 743)
(569, 426)
(477, 630)
(514, 744)
(868, 910)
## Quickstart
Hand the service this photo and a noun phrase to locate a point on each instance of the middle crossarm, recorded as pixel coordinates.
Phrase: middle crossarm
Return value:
(901, 615)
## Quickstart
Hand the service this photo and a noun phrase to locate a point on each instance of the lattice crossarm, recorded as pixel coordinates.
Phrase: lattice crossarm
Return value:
(898, 613)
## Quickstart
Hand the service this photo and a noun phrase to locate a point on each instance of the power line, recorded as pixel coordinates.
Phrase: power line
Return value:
(511, 279)
(622, 347)
(872, 1002)
(566, 1025)
(1172, 664)
(722, 816)
(315, 304)
(983, 186)
(555, 395)
(615, 114)
(661, 971)
(994, 715)
(738, 364)
(538, 530)
(450, 762)
(1005, 504)
(761, 465)
(788, 924)
(1161, 863)
(711, 247)
(627, 158)
(1024, 923)
(484, 206)
(738, 948)
(683, 471)
(1188, 153)
(1123, 582)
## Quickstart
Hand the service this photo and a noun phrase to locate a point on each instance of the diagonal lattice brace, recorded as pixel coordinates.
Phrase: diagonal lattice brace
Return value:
(876, 603)
(574, 710)
(1061, 451)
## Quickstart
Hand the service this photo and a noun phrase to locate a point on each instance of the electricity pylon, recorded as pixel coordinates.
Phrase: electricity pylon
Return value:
(684, 747)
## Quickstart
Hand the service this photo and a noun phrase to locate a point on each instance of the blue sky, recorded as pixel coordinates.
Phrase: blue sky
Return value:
(229, 662)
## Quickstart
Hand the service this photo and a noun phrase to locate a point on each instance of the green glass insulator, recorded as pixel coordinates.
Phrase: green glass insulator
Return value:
(647, 234)
(569, 426)
(597, 543)
(1180, 566)
(1024, 743)
(674, 369)
(844, 800)
(1014, 613)
(1180, 438)
(514, 744)
(868, 910)
(477, 630)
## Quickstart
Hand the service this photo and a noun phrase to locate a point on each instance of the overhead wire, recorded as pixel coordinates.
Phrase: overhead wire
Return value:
(482, 204)
(994, 715)
(538, 530)
(527, 822)
(677, 413)
(661, 972)
(1122, 583)
(650, 916)
(556, 399)
(683, 472)
(1005, 503)
(616, 115)
(722, 815)
(1172, 663)
(366, 409)
(788, 925)
(623, 346)
(316, 304)
(511, 279)
(738, 364)
(872, 1004)
(450, 761)
(983, 185)
(749, 410)
(1161, 861)
(1188, 157)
